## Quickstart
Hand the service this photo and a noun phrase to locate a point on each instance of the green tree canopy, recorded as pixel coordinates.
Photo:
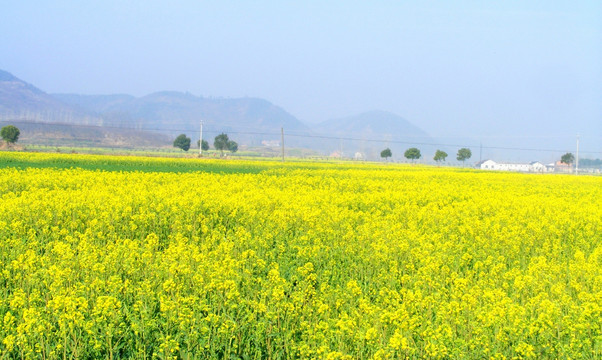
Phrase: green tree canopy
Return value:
(590, 162)
(204, 145)
(386, 153)
(232, 146)
(10, 134)
(440, 156)
(182, 142)
(412, 154)
(221, 142)
(464, 154)
(567, 158)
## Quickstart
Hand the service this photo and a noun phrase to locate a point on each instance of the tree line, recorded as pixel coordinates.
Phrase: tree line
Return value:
(464, 154)
(10, 135)
(414, 154)
(221, 143)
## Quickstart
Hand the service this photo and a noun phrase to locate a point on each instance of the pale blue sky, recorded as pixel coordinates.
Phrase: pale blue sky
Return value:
(475, 68)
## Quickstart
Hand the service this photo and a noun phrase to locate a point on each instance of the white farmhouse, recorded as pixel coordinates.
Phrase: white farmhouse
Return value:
(535, 166)
(486, 165)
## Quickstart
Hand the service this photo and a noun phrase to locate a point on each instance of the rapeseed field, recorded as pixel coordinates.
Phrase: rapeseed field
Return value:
(101, 257)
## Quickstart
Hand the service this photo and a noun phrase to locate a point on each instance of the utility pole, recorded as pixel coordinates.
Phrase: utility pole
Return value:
(481, 152)
(577, 159)
(282, 141)
(201, 141)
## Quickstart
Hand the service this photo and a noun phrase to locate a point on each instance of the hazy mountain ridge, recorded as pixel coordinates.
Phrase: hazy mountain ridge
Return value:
(46, 119)
(248, 120)
(374, 131)
(20, 100)
(372, 124)
(97, 104)
(167, 110)
(177, 112)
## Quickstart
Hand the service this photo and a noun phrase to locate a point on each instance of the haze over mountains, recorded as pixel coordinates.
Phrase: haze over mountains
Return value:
(371, 125)
(175, 112)
(250, 121)
(155, 119)
(20, 100)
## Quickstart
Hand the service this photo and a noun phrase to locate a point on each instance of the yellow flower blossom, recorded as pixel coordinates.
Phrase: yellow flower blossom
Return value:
(126, 257)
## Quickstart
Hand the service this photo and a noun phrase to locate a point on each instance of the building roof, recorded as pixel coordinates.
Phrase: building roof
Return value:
(484, 161)
(508, 163)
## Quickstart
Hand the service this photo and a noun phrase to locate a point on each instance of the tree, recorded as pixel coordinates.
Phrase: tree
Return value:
(232, 146)
(204, 145)
(567, 158)
(412, 154)
(222, 143)
(10, 134)
(386, 153)
(440, 156)
(182, 142)
(464, 154)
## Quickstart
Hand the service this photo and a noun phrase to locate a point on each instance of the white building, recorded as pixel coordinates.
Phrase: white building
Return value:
(534, 167)
(270, 143)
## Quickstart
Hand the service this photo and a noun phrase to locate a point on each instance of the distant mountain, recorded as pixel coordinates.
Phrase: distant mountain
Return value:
(22, 101)
(249, 120)
(372, 125)
(97, 104)
(374, 131)
(45, 119)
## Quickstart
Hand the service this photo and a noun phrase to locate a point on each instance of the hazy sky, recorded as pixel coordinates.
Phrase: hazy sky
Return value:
(474, 68)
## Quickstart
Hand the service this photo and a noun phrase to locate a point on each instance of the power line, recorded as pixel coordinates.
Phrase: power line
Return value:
(300, 135)
(434, 144)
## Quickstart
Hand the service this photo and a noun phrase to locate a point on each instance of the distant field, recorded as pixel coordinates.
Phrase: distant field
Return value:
(157, 163)
(259, 153)
(124, 163)
(177, 258)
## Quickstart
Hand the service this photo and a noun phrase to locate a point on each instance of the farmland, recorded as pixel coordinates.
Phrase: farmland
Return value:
(142, 258)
